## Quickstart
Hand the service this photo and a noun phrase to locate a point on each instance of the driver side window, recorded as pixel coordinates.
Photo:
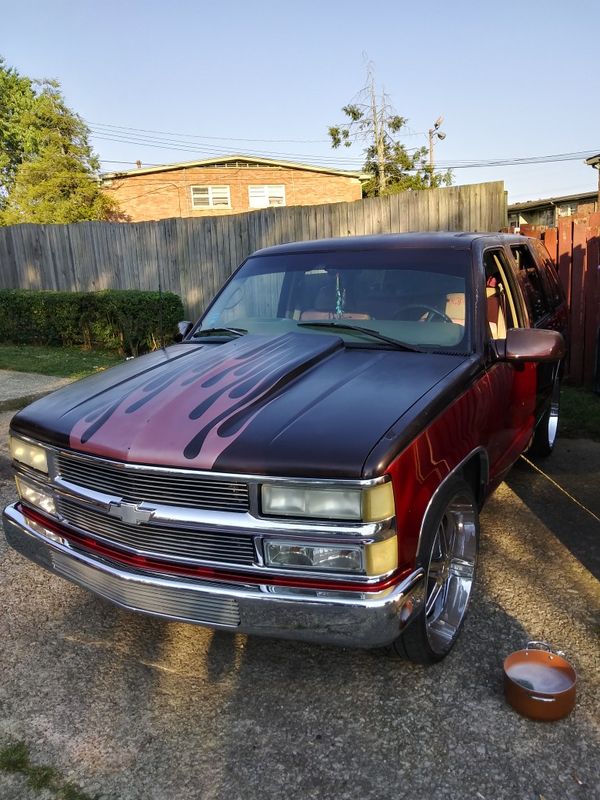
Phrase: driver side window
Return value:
(500, 306)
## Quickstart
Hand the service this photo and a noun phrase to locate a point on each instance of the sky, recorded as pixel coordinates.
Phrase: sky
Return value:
(191, 80)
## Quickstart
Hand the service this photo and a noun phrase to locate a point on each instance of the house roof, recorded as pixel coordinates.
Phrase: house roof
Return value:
(552, 201)
(243, 161)
(594, 161)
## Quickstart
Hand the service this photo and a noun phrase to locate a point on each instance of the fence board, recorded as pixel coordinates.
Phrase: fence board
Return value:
(592, 304)
(565, 253)
(578, 302)
(551, 242)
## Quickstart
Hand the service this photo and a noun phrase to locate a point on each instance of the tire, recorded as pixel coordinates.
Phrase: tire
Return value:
(544, 437)
(448, 556)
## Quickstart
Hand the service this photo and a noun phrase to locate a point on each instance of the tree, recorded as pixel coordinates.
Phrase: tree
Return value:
(49, 171)
(392, 166)
(16, 99)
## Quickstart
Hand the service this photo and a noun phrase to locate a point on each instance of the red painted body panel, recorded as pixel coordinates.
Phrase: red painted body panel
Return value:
(496, 413)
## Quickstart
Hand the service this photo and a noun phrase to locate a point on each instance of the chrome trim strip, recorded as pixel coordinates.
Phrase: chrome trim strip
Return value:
(221, 476)
(485, 478)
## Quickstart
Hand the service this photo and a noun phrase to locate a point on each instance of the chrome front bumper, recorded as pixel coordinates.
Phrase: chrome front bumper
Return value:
(352, 619)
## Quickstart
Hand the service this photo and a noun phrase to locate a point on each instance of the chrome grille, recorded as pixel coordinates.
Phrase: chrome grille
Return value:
(173, 542)
(182, 488)
(157, 598)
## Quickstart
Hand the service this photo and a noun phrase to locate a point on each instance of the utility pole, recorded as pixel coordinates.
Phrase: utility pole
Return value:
(378, 136)
(433, 133)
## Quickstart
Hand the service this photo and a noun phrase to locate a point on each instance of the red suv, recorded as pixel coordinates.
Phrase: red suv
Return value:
(311, 459)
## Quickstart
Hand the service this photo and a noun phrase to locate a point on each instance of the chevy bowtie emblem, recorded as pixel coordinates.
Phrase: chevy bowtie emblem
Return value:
(131, 513)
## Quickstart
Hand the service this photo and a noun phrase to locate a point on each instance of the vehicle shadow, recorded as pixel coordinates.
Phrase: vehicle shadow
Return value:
(575, 527)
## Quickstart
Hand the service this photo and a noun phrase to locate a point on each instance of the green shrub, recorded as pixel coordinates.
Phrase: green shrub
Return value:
(125, 321)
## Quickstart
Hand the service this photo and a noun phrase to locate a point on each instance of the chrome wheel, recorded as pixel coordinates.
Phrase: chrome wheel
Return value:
(544, 437)
(553, 413)
(451, 572)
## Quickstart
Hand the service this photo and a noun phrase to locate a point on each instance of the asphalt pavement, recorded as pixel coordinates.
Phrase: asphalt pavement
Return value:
(130, 707)
(17, 389)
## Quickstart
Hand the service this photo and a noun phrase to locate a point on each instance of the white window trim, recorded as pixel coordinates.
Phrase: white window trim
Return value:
(267, 189)
(211, 204)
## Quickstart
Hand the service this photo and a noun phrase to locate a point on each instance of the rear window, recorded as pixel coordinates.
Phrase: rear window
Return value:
(530, 279)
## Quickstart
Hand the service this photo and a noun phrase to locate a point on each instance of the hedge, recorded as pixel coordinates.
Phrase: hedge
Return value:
(125, 321)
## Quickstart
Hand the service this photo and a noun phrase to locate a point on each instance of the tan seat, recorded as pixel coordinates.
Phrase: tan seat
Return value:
(455, 307)
(495, 313)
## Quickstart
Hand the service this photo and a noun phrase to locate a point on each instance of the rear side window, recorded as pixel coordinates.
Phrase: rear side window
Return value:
(531, 283)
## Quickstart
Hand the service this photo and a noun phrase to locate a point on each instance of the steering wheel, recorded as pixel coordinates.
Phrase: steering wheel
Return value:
(431, 312)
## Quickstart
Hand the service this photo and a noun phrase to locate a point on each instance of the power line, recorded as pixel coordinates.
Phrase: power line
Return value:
(152, 141)
(148, 178)
(511, 162)
(225, 138)
(217, 151)
(141, 139)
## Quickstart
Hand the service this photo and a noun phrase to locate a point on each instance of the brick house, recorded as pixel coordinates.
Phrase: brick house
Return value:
(227, 185)
(549, 210)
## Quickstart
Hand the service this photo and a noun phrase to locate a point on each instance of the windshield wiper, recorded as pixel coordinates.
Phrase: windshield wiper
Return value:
(367, 331)
(217, 331)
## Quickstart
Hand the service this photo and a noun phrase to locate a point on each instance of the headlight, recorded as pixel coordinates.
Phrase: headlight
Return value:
(378, 558)
(369, 504)
(35, 495)
(331, 558)
(31, 454)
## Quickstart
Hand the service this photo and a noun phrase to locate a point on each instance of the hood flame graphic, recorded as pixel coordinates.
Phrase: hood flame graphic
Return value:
(197, 408)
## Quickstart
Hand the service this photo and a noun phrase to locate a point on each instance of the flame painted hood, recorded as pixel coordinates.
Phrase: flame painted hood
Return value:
(299, 404)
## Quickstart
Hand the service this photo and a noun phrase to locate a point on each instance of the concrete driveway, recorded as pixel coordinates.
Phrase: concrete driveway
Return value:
(132, 707)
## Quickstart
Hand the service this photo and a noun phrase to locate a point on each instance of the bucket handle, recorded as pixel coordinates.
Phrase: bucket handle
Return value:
(536, 644)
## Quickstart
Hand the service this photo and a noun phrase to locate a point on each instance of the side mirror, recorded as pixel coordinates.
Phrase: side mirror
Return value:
(183, 328)
(531, 344)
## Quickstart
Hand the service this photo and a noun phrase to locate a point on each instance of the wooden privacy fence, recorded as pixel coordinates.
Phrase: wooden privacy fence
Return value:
(575, 249)
(193, 257)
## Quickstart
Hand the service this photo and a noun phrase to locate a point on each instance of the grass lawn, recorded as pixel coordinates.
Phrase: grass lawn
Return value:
(64, 362)
(579, 414)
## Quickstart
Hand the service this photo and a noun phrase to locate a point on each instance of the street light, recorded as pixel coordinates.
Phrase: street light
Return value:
(433, 133)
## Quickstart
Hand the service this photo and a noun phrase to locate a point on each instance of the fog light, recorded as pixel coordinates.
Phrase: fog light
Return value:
(35, 495)
(330, 558)
(31, 454)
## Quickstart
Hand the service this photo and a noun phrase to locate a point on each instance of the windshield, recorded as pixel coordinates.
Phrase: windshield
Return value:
(413, 296)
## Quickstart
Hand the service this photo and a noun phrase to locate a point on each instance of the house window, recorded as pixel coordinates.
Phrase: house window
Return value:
(211, 197)
(265, 196)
